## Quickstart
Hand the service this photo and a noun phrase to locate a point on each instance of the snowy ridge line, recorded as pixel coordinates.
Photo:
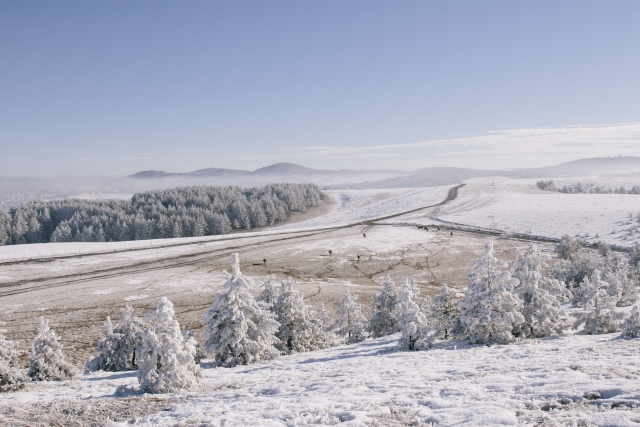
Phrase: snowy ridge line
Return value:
(452, 194)
(448, 225)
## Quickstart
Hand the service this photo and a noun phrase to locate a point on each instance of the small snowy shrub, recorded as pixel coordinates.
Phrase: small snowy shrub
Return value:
(166, 360)
(581, 265)
(11, 377)
(116, 350)
(631, 326)
(299, 330)
(269, 294)
(351, 324)
(567, 247)
(238, 330)
(490, 309)
(599, 314)
(412, 322)
(444, 312)
(382, 321)
(47, 361)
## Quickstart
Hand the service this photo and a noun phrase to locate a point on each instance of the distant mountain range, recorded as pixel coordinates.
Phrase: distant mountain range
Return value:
(362, 179)
(275, 169)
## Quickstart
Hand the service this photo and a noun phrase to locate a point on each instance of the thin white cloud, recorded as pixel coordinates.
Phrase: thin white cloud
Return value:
(513, 148)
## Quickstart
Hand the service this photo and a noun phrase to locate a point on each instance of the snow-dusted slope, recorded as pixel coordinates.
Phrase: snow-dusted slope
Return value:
(359, 205)
(513, 205)
(453, 384)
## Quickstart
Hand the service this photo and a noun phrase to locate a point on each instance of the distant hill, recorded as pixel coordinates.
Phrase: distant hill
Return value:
(426, 177)
(606, 166)
(279, 169)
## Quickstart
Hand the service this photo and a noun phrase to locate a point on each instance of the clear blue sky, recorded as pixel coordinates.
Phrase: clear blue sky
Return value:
(114, 87)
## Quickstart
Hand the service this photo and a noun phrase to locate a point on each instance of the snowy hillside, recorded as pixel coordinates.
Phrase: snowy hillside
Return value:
(513, 205)
(571, 380)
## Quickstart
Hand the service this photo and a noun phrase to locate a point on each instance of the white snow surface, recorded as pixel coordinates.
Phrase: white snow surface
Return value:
(514, 205)
(360, 205)
(453, 384)
(352, 206)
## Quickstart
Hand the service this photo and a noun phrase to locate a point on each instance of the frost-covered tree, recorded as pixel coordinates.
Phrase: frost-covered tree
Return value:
(491, 311)
(533, 261)
(351, 323)
(108, 351)
(324, 318)
(11, 376)
(542, 312)
(238, 330)
(599, 314)
(200, 354)
(166, 360)
(269, 294)
(117, 348)
(300, 330)
(410, 319)
(176, 212)
(47, 361)
(130, 329)
(567, 247)
(631, 326)
(382, 321)
(444, 312)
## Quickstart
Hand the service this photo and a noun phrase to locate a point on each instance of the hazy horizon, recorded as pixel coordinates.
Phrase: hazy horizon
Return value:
(114, 88)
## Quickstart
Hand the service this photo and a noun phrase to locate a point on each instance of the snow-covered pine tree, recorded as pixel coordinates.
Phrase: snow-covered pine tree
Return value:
(599, 314)
(299, 330)
(130, 330)
(444, 312)
(47, 361)
(622, 286)
(323, 316)
(238, 330)
(542, 312)
(166, 360)
(200, 354)
(117, 348)
(631, 326)
(269, 294)
(382, 321)
(11, 377)
(410, 319)
(490, 308)
(108, 351)
(534, 261)
(351, 323)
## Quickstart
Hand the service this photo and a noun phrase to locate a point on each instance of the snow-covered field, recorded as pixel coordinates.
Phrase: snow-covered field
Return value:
(572, 380)
(514, 205)
(360, 205)
(351, 206)
(538, 382)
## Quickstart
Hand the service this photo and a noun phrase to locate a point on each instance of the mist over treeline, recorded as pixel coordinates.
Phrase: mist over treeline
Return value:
(178, 212)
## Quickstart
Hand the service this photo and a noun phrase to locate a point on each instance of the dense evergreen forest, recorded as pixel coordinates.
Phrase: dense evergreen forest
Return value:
(177, 212)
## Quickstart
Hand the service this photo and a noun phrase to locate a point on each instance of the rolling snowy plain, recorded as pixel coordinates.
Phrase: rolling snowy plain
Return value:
(572, 380)
(512, 205)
